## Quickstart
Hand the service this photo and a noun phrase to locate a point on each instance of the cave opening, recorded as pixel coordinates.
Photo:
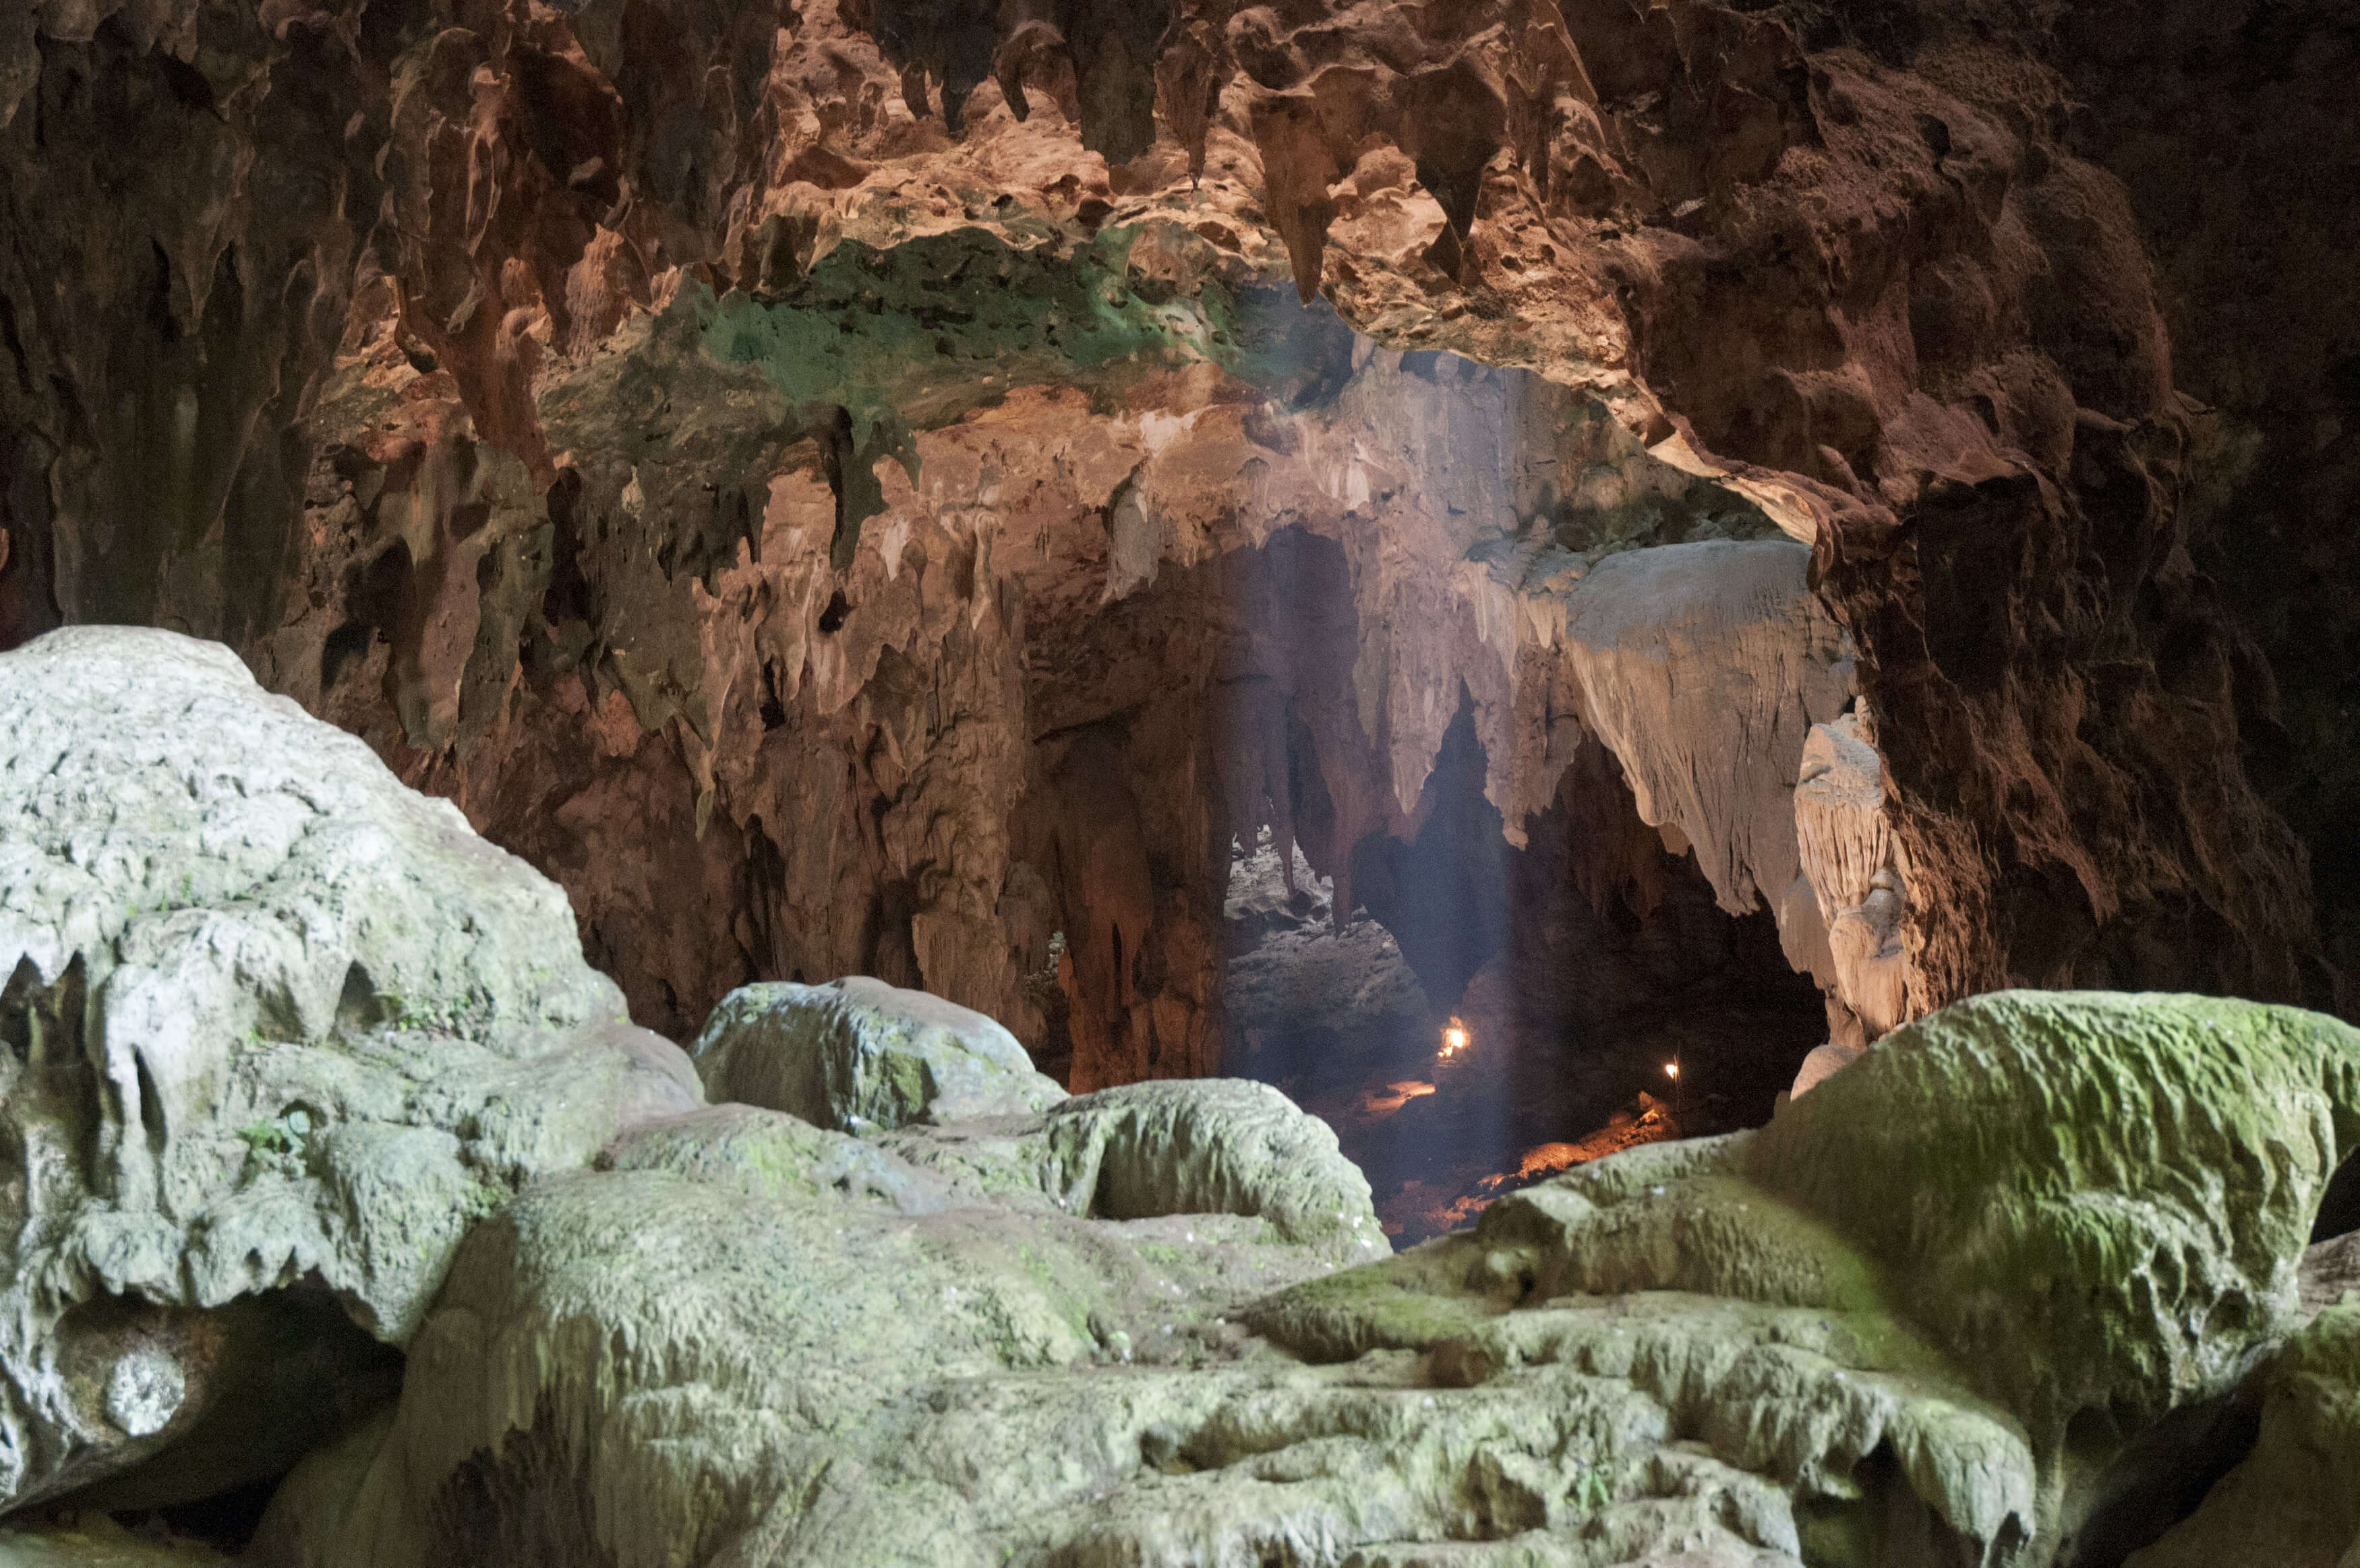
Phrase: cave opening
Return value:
(1470, 1008)
(1482, 1020)
(1404, 693)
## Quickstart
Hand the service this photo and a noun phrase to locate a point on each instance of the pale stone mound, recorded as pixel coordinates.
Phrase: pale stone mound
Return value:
(1958, 1280)
(857, 1053)
(1217, 1146)
(2077, 1217)
(1823, 1063)
(747, 1340)
(275, 1032)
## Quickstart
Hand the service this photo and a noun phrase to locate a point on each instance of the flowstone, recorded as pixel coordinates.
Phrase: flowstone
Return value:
(859, 1054)
(746, 1340)
(2293, 1500)
(277, 1031)
(1939, 1298)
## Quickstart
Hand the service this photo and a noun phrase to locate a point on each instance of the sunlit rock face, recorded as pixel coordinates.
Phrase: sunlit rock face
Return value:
(873, 490)
(275, 1033)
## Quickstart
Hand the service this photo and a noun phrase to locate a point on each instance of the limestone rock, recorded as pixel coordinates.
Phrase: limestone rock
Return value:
(1706, 665)
(1824, 1062)
(860, 1375)
(2329, 1270)
(2077, 1234)
(744, 506)
(1852, 863)
(275, 1027)
(1218, 1146)
(923, 1347)
(2293, 1500)
(2082, 1144)
(857, 1054)
(740, 1299)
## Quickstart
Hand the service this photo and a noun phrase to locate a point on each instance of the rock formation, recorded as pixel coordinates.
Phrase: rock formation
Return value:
(855, 1054)
(872, 489)
(277, 1031)
(313, 1097)
(1729, 1346)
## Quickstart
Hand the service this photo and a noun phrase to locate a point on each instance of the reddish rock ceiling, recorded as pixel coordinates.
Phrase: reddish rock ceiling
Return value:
(834, 522)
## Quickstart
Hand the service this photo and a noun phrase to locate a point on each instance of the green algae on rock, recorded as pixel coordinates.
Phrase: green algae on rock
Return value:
(2016, 1235)
(857, 1053)
(747, 1340)
(2293, 1500)
(2095, 1200)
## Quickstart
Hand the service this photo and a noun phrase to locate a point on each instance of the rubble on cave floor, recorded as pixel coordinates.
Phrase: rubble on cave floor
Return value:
(1337, 1018)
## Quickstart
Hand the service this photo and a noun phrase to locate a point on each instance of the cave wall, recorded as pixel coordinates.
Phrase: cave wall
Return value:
(2230, 129)
(835, 487)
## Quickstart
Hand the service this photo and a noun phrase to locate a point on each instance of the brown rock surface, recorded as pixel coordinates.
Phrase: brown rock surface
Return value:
(851, 490)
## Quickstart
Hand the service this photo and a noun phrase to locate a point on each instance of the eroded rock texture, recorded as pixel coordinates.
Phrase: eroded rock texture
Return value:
(871, 490)
(963, 1343)
(275, 1033)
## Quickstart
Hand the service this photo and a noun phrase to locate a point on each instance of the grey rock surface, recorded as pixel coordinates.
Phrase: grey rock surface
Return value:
(855, 1054)
(272, 1024)
(747, 1340)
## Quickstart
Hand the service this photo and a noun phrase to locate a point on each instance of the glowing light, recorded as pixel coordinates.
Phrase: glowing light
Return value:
(1671, 1070)
(1456, 1037)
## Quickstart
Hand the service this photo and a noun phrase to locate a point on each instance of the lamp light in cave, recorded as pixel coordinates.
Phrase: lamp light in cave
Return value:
(1456, 1037)
(1671, 1070)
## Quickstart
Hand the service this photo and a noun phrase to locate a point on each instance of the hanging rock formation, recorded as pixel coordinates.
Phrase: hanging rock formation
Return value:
(818, 482)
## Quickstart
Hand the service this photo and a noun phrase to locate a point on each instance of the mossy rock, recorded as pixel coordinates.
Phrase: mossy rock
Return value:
(2096, 1201)
(2295, 1500)
(858, 1055)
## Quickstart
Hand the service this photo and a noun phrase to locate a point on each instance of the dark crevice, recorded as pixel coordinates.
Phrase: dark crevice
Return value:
(2339, 1206)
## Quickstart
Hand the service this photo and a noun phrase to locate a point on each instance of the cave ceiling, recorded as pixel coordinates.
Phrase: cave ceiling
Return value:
(870, 488)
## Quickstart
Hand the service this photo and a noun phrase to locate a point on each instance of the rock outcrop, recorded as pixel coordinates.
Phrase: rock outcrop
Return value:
(2292, 1500)
(857, 1054)
(277, 1031)
(2078, 1260)
(1705, 667)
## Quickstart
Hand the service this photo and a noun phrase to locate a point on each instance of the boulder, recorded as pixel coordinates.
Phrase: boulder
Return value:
(1824, 1063)
(2059, 1187)
(747, 1339)
(1948, 1293)
(275, 1032)
(857, 1053)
